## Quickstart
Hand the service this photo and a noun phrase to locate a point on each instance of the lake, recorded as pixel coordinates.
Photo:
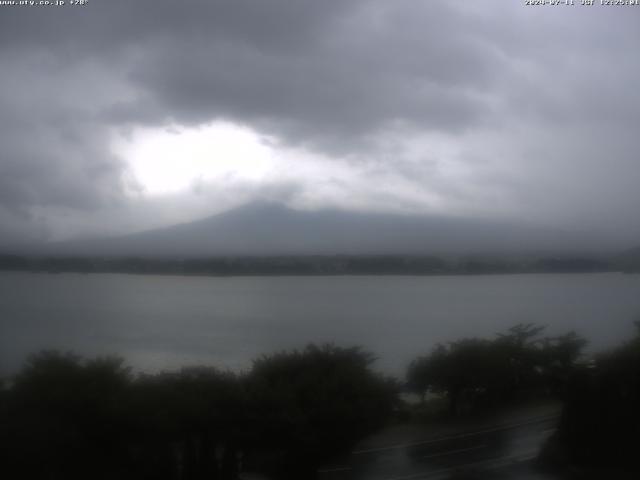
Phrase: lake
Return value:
(163, 322)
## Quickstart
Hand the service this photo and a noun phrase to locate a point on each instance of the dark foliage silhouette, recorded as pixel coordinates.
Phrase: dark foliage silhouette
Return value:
(600, 425)
(316, 403)
(65, 417)
(473, 373)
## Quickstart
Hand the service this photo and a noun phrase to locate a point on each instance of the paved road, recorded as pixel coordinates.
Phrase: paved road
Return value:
(504, 451)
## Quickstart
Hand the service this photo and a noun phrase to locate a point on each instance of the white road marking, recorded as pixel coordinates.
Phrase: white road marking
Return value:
(455, 437)
(498, 462)
(453, 452)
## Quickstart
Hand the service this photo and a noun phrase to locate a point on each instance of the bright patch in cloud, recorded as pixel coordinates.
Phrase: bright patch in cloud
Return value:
(175, 159)
(214, 167)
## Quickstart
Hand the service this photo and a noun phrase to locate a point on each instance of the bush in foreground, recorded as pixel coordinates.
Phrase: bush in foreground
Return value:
(65, 417)
(472, 373)
(600, 424)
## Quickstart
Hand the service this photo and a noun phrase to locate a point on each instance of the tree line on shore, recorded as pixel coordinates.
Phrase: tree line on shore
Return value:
(64, 416)
(311, 265)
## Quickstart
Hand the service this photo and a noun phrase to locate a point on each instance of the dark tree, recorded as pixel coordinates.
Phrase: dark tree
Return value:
(316, 403)
(474, 373)
(190, 423)
(65, 418)
(600, 424)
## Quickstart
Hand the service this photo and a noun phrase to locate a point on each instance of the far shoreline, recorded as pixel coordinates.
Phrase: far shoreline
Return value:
(308, 275)
(319, 265)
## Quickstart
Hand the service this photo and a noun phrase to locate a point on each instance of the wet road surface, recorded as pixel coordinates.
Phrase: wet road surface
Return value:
(504, 451)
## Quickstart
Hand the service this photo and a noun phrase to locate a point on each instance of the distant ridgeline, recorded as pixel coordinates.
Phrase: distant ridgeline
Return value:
(314, 265)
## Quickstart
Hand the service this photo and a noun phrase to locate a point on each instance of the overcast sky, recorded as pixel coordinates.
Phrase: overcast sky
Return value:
(122, 115)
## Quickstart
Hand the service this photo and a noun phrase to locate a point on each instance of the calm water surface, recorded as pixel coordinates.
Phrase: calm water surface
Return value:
(159, 322)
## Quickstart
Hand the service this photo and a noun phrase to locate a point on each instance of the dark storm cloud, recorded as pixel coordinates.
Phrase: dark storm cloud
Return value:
(52, 146)
(539, 104)
(310, 69)
(349, 82)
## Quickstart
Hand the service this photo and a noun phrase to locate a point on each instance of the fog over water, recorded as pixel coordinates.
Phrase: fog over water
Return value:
(159, 322)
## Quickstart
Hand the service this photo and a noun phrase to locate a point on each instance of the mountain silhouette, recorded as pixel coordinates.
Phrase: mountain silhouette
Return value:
(272, 229)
